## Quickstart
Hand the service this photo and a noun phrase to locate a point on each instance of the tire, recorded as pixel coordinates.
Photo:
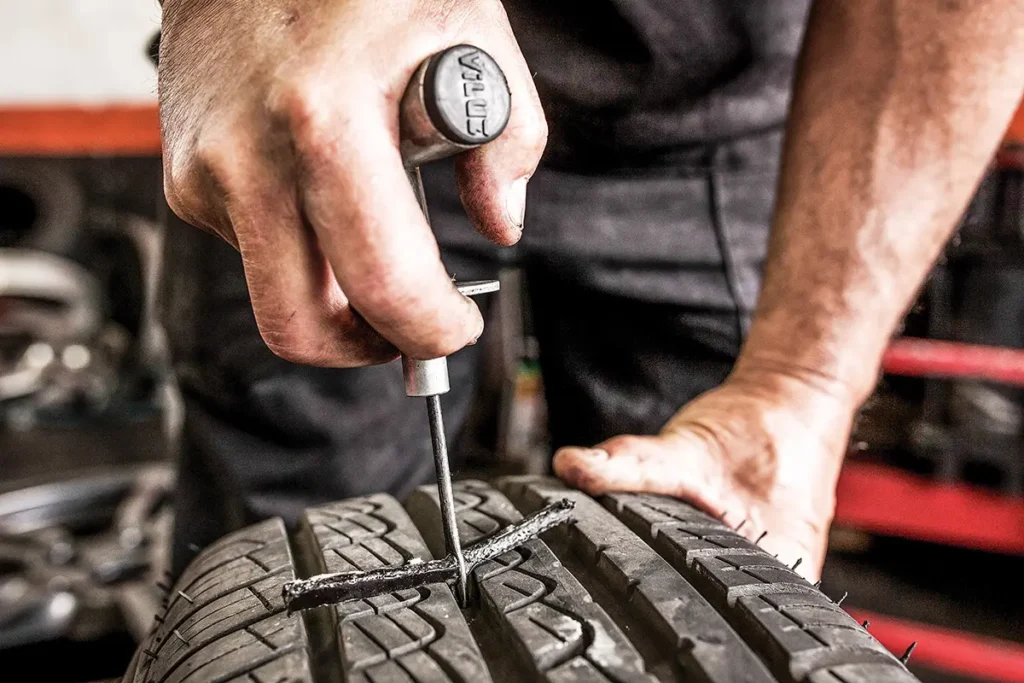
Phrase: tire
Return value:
(638, 589)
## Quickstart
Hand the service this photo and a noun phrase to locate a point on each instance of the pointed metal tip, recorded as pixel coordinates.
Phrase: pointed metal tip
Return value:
(817, 584)
(741, 525)
(798, 562)
(760, 538)
(864, 624)
(839, 603)
(906, 655)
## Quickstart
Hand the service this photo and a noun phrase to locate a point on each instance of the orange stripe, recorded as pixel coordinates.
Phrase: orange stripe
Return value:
(121, 129)
(133, 129)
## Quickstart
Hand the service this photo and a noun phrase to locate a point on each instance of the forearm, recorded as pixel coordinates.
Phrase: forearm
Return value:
(897, 108)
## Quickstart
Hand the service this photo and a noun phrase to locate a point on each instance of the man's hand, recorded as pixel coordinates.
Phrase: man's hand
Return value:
(763, 449)
(280, 131)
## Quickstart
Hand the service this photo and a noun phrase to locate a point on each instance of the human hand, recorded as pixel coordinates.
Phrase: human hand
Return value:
(280, 134)
(761, 449)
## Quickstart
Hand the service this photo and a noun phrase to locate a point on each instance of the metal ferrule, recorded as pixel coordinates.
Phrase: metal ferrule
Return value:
(425, 377)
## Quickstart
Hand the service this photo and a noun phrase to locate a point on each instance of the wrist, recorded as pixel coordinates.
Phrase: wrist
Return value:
(818, 401)
(836, 357)
(781, 375)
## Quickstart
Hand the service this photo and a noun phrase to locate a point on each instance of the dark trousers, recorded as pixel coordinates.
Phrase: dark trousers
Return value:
(641, 284)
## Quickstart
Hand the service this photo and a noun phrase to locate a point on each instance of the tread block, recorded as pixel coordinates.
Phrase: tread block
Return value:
(528, 598)
(291, 666)
(860, 673)
(231, 547)
(388, 672)
(239, 651)
(227, 608)
(759, 595)
(655, 592)
(415, 635)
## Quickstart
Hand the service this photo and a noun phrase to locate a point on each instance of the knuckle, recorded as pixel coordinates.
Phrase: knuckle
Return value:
(626, 443)
(439, 344)
(182, 192)
(299, 354)
(299, 104)
(433, 329)
(382, 301)
(293, 345)
(538, 134)
(219, 158)
(532, 130)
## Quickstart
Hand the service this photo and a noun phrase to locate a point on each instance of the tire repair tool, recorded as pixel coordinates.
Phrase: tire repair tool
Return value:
(458, 100)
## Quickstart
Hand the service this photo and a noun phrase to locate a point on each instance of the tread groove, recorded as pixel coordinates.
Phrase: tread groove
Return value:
(259, 596)
(257, 562)
(318, 624)
(256, 634)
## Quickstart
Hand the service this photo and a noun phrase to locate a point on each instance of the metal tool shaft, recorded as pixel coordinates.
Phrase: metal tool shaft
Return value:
(445, 496)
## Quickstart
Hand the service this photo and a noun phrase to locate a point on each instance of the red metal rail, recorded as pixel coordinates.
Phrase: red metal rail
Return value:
(946, 650)
(889, 501)
(930, 358)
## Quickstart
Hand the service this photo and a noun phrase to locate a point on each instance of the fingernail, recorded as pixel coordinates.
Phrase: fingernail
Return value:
(594, 454)
(515, 202)
(479, 330)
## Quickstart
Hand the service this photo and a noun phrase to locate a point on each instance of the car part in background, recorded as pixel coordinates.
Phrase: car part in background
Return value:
(42, 206)
(77, 296)
(80, 559)
(81, 350)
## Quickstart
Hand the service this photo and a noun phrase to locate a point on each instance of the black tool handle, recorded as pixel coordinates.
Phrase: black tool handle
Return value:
(458, 99)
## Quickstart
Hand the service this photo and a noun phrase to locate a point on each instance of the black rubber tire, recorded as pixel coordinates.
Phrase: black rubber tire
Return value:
(641, 588)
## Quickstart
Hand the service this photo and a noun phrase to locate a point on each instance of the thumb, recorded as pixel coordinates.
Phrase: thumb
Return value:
(682, 466)
(492, 179)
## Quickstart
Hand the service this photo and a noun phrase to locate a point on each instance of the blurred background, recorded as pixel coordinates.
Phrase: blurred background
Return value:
(928, 544)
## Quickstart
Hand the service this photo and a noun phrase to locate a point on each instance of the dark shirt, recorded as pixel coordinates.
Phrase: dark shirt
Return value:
(631, 82)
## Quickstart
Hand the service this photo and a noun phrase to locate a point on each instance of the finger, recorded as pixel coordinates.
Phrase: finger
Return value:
(650, 465)
(493, 179)
(357, 197)
(301, 311)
